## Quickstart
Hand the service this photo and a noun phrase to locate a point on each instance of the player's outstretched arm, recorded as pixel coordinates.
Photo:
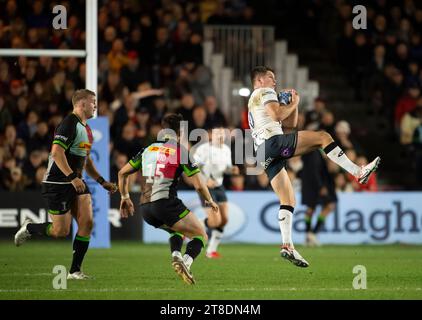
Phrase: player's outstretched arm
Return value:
(126, 205)
(203, 191)
(94, 174)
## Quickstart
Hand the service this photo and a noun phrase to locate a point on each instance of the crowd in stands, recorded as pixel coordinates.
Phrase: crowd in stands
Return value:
(384, 65)
(149, 63)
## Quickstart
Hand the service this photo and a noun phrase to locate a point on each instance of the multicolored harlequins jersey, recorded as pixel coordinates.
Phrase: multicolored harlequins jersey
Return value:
(76, 139)
(161, 165)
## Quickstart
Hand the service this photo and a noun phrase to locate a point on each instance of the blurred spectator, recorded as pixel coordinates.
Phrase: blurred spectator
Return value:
(405, 104)
(17, 181)
(8, 141)
(410, 121)
(119, 161)
(327, 122)
(41, 138)
(313, 117)
(187, 104)
(32, 164)
(5, 116)
(117, 57)
(214, 115)
(199, 118)
(128, 143)
(39, 177)
(133, 73)
(342, 184)
(27, 128)
(237, 182)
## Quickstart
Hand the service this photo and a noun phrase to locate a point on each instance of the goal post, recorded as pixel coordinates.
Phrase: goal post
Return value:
(101, 204)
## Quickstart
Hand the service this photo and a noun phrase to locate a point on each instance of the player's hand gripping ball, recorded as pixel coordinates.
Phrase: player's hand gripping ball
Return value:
(285, 97)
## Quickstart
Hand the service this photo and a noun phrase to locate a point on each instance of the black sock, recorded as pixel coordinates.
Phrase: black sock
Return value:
(320, 223)
(176, 241)
(194, 247)
(41, 229)
(221, 229)
(308, 221)
(80, 246)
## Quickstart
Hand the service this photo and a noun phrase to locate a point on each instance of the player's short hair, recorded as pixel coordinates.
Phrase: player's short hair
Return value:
(259, 71)
(81, 94)
(172, 121)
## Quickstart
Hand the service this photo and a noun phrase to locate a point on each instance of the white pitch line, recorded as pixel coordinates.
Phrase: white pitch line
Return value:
(200, 290)
(26, 274)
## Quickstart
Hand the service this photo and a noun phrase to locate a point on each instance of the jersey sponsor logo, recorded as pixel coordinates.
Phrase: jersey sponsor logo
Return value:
(267, 93)
(286, 152)
(165, 150)
(85, 145)
(267, 162)
(60, 137)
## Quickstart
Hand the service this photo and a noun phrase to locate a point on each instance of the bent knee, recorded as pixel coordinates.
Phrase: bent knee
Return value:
(86, 226)
(60, 232)
(325, 138)
(224, 221)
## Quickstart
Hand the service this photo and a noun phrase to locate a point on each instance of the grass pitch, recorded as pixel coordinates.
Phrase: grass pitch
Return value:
(132, 270)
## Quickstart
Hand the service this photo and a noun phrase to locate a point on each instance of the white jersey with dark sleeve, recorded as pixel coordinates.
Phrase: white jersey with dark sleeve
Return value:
(262, 125)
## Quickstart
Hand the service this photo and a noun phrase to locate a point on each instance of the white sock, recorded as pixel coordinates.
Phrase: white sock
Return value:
(215, 240)
(187, 259)
(285, 220)
(176, 253)
(339, 156)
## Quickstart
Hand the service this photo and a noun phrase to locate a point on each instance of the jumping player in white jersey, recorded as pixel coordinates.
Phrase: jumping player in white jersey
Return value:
(267, 119)
(215, 159)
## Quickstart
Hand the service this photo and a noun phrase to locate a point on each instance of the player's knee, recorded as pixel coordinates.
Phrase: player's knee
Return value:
(90, 225)
(87, 226)
(325, 138)
(60, 232)
(224, 221)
